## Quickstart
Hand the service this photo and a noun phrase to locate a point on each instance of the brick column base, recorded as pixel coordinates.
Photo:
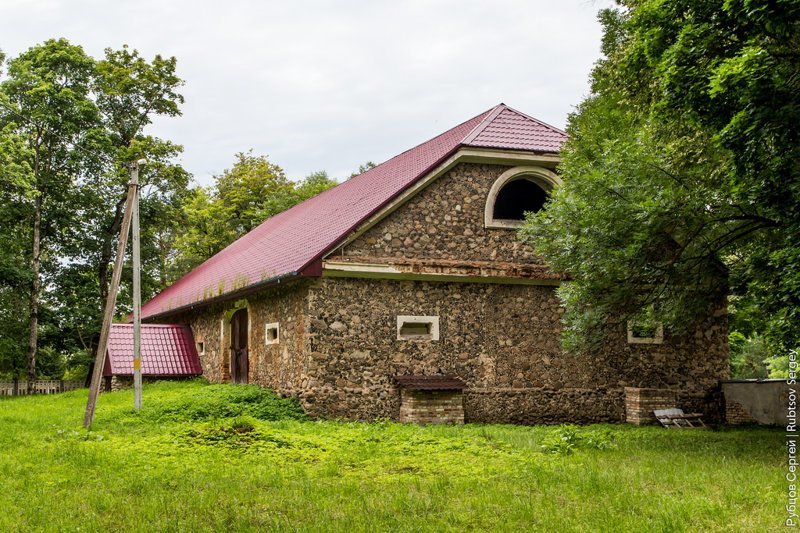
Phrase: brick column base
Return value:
(640, 403)
(431, 407)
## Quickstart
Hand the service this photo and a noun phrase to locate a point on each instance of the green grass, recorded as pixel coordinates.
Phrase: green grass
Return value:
(202, 457)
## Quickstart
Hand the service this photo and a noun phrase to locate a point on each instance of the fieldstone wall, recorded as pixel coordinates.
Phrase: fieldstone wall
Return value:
(502, 340)
(542, 405)
(445, 221)
(210, 328)
(282, 366)
(339, 350)
(278, 366)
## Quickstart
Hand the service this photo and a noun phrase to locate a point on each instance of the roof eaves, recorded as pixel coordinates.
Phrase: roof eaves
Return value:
(233, 295)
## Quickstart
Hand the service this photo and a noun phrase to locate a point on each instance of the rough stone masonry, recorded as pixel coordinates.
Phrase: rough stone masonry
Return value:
(498, 326)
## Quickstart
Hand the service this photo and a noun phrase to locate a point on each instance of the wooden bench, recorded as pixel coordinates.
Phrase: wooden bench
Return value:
(677, 419)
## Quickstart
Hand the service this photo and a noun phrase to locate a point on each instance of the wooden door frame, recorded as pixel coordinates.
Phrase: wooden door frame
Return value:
(240, 340)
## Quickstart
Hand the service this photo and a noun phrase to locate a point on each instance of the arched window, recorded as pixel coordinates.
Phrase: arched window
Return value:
(518, 191)
(517, 198)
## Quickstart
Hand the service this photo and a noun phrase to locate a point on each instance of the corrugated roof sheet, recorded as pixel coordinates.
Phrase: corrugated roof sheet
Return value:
(167, 350)
(289, 243)
(512, 130)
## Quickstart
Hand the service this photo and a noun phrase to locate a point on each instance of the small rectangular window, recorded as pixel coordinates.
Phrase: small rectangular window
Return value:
(272, 334)
(415, 329)
(645, 332)
(201, 348)
(420, 328)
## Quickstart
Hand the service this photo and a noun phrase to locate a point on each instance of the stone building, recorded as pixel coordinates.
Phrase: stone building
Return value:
(412, 273)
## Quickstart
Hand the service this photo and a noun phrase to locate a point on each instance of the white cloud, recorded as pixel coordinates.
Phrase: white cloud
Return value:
(329, 85)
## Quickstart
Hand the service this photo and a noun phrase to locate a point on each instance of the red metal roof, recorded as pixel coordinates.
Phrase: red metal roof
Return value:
(510, 129)
(291, 242)
(167, 350)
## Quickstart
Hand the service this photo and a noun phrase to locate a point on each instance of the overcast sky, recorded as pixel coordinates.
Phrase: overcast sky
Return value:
(328, 85)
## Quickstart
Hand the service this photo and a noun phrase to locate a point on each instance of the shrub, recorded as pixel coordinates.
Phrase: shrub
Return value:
(748, 356)
(226, 401)
(569, 438)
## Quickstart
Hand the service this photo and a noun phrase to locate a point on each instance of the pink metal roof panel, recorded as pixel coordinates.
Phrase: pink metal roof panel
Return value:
(167, 350)
(511, 130)
(292, 241)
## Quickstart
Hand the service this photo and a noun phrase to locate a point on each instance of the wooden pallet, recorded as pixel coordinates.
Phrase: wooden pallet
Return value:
(677, 419)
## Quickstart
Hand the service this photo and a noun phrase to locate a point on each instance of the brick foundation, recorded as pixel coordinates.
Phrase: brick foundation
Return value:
(736, 414)
(640, 403)
(431, 407)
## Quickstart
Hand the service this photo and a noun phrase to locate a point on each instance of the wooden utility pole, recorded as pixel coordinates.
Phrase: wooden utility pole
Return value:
(137, 295)
(111, 300)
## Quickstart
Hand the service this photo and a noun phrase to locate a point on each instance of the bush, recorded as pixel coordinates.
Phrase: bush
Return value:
(748, 355)
(778, 365)
(226, 401)
(569, 438)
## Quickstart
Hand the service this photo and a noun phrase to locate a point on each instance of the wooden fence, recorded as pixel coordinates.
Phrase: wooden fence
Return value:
(49, 386)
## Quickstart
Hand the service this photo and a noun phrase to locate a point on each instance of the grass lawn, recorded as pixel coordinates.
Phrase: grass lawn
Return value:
(188, 462)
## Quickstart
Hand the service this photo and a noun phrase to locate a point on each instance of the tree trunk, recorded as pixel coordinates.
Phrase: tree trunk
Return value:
(36, 285)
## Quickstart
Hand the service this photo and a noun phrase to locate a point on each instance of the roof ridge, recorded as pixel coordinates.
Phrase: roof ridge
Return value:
(374, 169)
(291, 243)
(545, 124)
(428, 140)
(492, 114)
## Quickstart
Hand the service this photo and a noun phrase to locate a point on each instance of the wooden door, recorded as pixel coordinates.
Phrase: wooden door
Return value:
(239, 357)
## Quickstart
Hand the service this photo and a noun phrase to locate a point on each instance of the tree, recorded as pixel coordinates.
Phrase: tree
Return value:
(241, 198)
(748, 356)
(361, 169)
(46, 102)
(313, 184)
(681, 171)
(130, 92)
(252, 190)
(68, 127)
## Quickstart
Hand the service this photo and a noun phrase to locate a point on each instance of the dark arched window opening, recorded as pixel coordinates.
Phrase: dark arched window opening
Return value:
(517, 198)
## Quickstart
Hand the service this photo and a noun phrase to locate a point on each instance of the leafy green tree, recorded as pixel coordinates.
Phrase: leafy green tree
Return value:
(129, 92)
(749, 356)
(313, 184)
(778, 365)
(252, 190)
(681, 172)
(240, 199)
(68, 127)
(361, 169)
(46, 102)
(15, 197)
